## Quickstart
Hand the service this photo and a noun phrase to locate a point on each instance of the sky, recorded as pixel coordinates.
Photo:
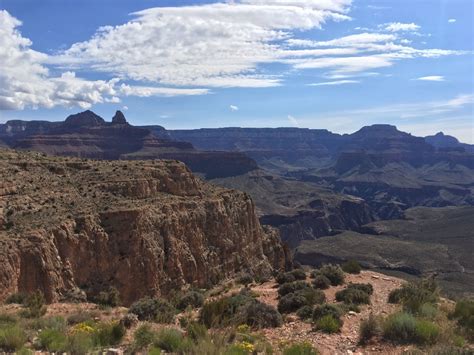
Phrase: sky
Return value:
(330, 64)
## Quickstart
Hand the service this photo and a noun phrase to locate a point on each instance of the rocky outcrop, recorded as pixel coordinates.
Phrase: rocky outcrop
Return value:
(119, 118)
(144, 227)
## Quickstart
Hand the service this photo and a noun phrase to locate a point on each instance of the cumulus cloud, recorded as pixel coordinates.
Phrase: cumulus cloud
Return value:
(234, 108)
(431, 78)
(452, 20)
(398, 26)
(336, 82)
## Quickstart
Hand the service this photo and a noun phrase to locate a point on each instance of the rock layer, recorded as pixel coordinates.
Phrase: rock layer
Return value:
(144, 227)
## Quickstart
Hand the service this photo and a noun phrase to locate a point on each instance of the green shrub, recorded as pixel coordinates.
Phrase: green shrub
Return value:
(426, 332)
(352, 296)
(328, 324)
(171, 340)
(291, 287)
(414, 295)
(351, 267)
(464, 314)
(369, 328)
(12, 337)
(321, 282)
(79, 317)
(245, 279)
(35, 305)
(79, 343)
(16, 298)
(108, 298)
(196, 331)
(291, 302)
(305, 312)
(367, 288)
(153, 309)
(109, 334)
(326, 309)
(333, 272)
(298, 274)
(300, 349)
(428, 311)
(193, 299)
(53, 340)
(143, 337)
(312, 296)
(400, 328)
(284, 278)
(259, 315)
(6, 319)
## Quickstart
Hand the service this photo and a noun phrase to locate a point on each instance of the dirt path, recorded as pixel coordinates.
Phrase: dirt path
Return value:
(345, 342)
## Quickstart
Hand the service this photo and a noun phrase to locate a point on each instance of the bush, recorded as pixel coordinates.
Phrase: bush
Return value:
(291, 287)
(321, 282)
(305, 312)
(35, 305)
(464, 314)
(291, 302)
(16, 298)
(190, 298)
(171, 340)
(284, 278)
(325, 310)
(414, 295)
(260, 315)
(108, 298)
(53, 340)
(77, 318)
(351, 267)
(300, 349)
(312, 296)
(298, 274)
(400, 328)
(153, 309)
(333, 272)
(79, 343)
(196, 331)
(426, 332)
(369, 328)
(245, 279)
(328, 324)
(367, 288)
(129, 320)
(109, 334)
(352, 296)
(143, 337)
(12, 337)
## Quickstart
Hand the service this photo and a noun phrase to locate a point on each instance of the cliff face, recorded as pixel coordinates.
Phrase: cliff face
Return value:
(144, 227)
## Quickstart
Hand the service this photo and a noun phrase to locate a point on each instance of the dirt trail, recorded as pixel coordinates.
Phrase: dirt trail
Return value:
(345, 342)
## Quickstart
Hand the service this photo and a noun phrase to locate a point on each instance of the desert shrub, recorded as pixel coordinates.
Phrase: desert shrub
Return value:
(16, 298)
(291, 302)
(300, 349)
(464, 314)
(369, 328)
(405, 328)
(284, 278)
(193, 299)
(79, 343)
(245, 279)
(143, 336)
(153, 309)
(35, 305)
(328, 324)
(367, 288)
(52, 340)
(171, 340)
(426, 332)
(6, 319)
(108, 298)
(428, 311)
(414, 295)
(352, 296)
(348, 307)
(351, 267)
(312, 296)
(12, 337)
(196, 331)
(260, 315)
(305, 312)
(333, 272)
(326, 309)
(108, 334)
(298, 274)
(79, 317)
(129, 320)
(291, 287)
(321, 282)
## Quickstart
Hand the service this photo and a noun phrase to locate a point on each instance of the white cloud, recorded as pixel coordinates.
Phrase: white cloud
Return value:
(452, 20)
(431, 78)
(125, 108)
(336, 82)
(293, 120)
(234, 108)
(147, 91)
(398, 26)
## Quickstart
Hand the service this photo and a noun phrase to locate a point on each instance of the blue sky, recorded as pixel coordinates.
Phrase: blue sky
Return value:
(334, 64)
